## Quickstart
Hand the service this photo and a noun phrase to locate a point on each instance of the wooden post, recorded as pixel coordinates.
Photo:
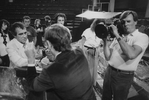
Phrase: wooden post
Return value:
(147, 10)
(94, 4)
(10, 1)
(111, 6)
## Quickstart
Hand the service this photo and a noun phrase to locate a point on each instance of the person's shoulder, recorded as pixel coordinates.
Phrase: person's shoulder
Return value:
(12, 42)
(86, 31)
(141, 35)
(30, 28)
(99, 39)
(77, 50)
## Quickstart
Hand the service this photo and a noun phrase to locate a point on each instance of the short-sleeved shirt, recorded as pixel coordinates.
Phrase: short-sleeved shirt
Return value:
(91, 39)
(136, 38)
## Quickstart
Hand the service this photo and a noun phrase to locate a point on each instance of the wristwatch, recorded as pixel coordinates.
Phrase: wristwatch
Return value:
(119, 38)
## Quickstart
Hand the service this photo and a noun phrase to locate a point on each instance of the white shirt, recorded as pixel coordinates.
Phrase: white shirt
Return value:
(91, 39)
(3, 51)
(136, 38)
(16, 54)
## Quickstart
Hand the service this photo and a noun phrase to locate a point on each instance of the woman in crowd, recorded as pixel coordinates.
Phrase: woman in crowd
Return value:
(39, 30)
(5, 36)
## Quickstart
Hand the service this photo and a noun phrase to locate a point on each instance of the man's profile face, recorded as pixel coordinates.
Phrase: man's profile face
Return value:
(130, 24)
(21, 35)
(60, 20)
(26, 22)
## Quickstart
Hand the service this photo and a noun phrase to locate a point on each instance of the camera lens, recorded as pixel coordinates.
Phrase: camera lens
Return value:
(101, 31)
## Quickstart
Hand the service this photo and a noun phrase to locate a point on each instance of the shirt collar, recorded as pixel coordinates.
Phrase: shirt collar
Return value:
(18, 43)
(132, 34)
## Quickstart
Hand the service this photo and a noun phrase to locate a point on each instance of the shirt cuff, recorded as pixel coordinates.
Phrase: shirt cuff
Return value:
(119, 38)
(31, 65)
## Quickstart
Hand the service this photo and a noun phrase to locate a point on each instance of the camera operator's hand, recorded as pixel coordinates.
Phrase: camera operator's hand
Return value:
(115, 30)
(106, 47)
(107, 41)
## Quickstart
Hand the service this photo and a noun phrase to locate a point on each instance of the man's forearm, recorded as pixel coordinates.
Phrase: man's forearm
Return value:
(107, 52)
(127, 49)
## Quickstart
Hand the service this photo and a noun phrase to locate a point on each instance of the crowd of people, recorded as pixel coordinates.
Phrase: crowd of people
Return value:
(70, 70)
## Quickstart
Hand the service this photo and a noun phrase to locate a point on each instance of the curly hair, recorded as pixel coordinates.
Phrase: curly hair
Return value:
(60, 15)
(6, 23)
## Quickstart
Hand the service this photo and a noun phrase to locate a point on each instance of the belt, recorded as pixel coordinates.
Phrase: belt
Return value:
(89, 47)
(121, 71)
(92, 49)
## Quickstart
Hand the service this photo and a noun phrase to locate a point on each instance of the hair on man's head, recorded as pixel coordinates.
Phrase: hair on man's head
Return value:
(16, 25)
(26, 17)
(59, 36)
(128, 12)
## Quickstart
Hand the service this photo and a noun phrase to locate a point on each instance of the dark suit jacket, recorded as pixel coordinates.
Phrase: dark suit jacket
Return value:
(68, 78)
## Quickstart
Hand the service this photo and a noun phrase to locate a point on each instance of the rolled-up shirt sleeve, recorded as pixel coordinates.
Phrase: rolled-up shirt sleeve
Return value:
(143, 41)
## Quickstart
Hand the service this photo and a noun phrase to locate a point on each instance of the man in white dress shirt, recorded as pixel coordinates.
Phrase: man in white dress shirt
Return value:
(15, 47)
(16, 52)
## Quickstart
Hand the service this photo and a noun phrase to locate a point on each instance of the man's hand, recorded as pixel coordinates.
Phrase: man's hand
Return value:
(49, 55)
(115, 31)
(108, 41)
(30, 53)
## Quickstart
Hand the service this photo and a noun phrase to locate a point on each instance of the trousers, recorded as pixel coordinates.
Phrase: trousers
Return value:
(116, 84)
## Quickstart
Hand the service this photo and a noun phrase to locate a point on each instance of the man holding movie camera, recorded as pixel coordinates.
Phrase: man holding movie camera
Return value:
(123, 55)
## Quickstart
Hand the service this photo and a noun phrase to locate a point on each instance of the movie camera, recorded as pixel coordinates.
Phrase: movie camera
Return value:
(102, 30)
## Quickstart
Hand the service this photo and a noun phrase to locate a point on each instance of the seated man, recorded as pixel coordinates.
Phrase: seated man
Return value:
(5, 37)
(68, 77)
(16, 52)
(16, 46)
